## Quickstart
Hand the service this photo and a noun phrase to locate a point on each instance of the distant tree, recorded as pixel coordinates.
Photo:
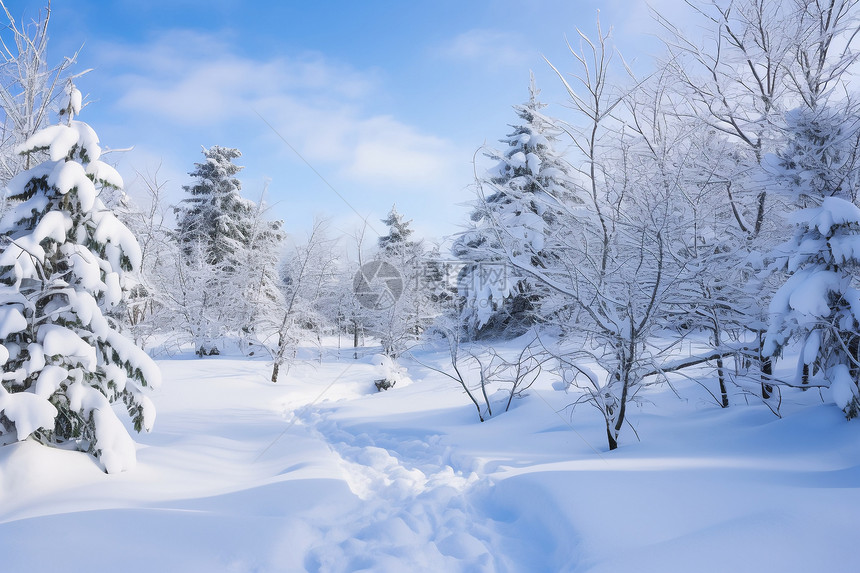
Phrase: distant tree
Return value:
(411, 311)
(64, 265)
(307, 278)
(398, 242)
(215, 217)
(228, 253)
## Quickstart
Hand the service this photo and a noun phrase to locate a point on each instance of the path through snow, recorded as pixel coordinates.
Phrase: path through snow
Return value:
(322, 473)
(415, 509)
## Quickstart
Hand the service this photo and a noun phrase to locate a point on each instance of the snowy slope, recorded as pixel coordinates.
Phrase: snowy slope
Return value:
(322, 473)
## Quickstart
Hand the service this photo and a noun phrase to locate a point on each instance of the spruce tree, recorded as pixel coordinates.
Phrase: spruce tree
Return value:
(215, 219)
(397, 242)
(411, 309)
(64, 265)
(518, 209)
(819, 303)
(221, 237)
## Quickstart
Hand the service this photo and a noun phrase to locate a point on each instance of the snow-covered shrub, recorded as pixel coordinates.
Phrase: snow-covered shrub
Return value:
(63, 267)
(389, 372)
(819, 303)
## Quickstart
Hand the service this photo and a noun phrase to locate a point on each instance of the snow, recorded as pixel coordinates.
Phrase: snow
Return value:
(11, 320)
(321, 472)
(88, 141)
(85, 267)
(809, 291)
(49, 379)
(811, 347)
(832, 212)
(845, 248)
(28, 411)
(843, 388)
(58, 140)
(60, 341)
(70, 175)
(75, 98)
(104, 174)
(62, 140)
(119, 239)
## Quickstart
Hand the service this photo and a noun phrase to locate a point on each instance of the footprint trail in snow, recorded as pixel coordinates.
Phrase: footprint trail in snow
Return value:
(415, 506)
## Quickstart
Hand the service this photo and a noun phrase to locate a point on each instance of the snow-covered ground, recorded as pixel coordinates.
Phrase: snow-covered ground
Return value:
(323, 473)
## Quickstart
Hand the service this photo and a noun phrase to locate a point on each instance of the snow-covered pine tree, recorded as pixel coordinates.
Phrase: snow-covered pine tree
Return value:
(819, 167)
(438, 275)
(821, 157)
(63, 266)
(819, 303)
(412, 311)
(215, 226)
(397, 243)
(517, 209)
(215, 216)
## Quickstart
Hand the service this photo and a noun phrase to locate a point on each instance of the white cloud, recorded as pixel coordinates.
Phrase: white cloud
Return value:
(491, 48)
(387, 149)
(318, 106)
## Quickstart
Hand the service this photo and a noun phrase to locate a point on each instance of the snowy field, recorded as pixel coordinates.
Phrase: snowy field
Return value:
(323, 473)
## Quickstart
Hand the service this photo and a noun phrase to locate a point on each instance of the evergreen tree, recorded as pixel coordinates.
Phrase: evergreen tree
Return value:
(228, 254)
(397, 242)
(64, 266)
(410, 312)
(820, 158)
(215, 218)
(819, 303)
(518, 209)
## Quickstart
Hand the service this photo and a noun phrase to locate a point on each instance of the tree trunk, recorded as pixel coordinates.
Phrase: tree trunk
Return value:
(766, 370)
(722, 377)
(767, 373)
(279, 356)
(355, 340)
(613, 443)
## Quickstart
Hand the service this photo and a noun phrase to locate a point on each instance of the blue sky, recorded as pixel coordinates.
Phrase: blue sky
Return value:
(388, 101)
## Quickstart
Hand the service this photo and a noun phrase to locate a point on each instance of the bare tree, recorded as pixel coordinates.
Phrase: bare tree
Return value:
(616, 266)
(29, 86)
(148, 309)
(305, 275)
(479, 372)
(736, 85)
